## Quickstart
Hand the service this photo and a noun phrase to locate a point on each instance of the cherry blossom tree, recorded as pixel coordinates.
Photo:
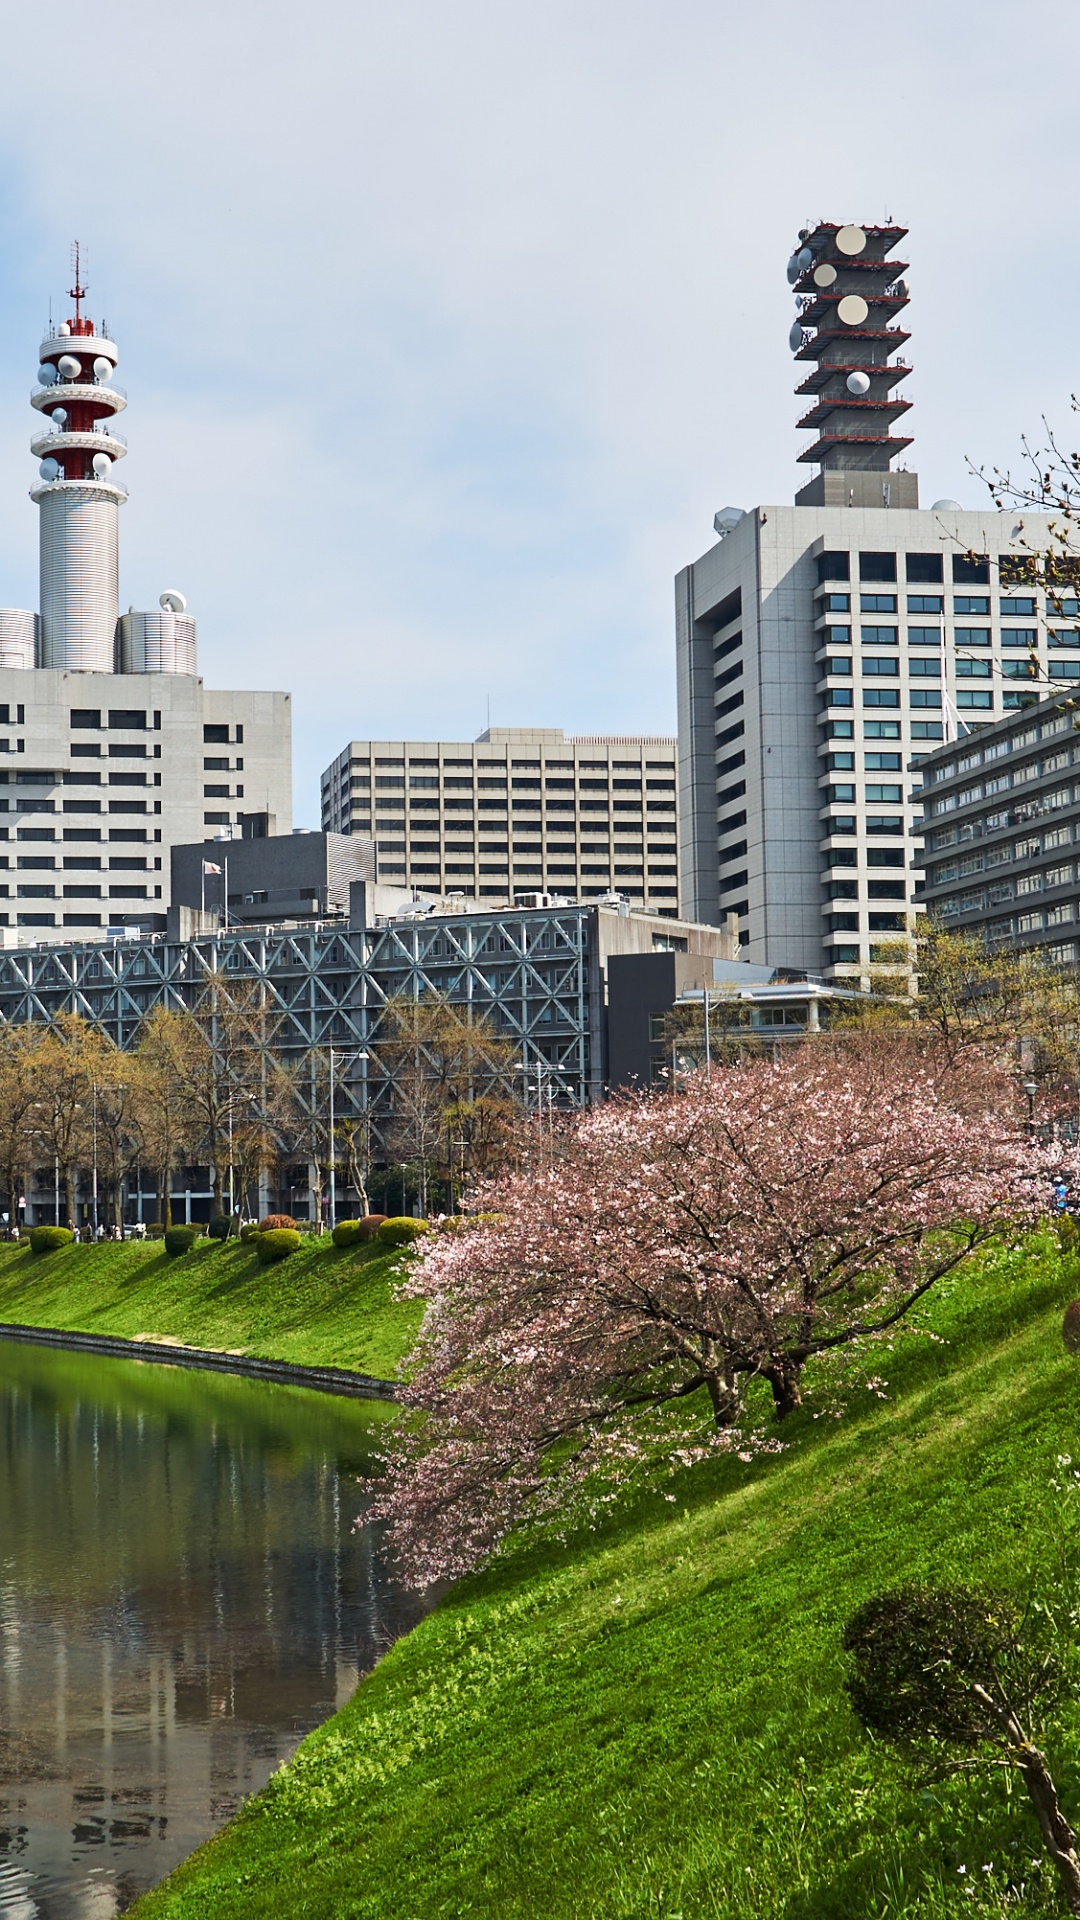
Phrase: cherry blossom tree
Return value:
(616, 1303)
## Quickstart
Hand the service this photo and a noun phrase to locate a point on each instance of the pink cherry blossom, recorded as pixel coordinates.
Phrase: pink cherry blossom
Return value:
(628, 1285)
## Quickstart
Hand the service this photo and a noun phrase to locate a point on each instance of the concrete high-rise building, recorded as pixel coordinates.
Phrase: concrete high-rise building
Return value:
(518, 811)
(823, 646)
(111, 749)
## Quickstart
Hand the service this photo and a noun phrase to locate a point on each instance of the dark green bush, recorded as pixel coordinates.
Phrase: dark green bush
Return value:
(50, 1239)
(180, 1240)
(249, 1230)
(154, 1230)
(276, 1244)
(401, 1231)
(1070, 1328)
(219, 1227)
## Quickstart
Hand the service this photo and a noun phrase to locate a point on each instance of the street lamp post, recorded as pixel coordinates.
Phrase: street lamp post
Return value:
(93, 1132)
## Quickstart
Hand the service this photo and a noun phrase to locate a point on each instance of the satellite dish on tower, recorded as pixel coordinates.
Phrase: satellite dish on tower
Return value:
(103, 368)
(946, 506)
(49, 470)
(727, 520)
(59, 418)
(69, 366)
(796, 338)
(804, 260)
(850, 240)
(858, 383)
(63, 330)
(824, 276)
(172, 602)
(853, 310)
(793, 269)
(46, 374)
(102, 466)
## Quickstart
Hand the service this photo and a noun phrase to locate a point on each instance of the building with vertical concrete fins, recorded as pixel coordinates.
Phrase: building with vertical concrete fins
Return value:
(111, 748)
(825, 646)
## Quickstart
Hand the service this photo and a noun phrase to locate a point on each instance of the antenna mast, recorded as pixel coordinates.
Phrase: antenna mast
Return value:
(78, 291)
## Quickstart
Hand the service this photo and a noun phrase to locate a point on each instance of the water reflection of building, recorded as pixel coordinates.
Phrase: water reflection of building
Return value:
(182, 1595)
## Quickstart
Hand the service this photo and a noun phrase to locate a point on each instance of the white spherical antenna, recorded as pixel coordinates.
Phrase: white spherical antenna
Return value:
(63, 330)
(825, 275)
(793, 269)
(804, 260)
(796, 338)
(850, 240)
(853, 310)
(102, 466)
(946, 506)
(727, 520)
(69, 366)
(46, 374)
(858, 383)
(49, 470)
(172, 602)
(103, 368)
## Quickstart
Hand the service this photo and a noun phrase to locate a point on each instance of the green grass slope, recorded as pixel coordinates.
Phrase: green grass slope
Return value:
(321, 1307)
(649, 1722)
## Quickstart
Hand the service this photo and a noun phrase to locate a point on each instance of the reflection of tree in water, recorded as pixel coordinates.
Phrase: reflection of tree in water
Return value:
(182, 1594)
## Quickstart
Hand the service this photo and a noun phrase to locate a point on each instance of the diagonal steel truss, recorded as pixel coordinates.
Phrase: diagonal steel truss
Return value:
(533, 974)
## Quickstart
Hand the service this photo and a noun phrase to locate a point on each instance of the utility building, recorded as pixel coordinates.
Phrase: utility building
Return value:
(826, 645)
(111, 748)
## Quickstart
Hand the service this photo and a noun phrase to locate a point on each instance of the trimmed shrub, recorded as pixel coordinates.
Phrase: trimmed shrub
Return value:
(1070, 1327)
(368, 1226)
(274, 1221)
(154, 1230)
(348, 1233)
(219, 1227)
(401, 1231)
(275, 1243)
(249, 1230)
(180, 1240)
(50, 1239)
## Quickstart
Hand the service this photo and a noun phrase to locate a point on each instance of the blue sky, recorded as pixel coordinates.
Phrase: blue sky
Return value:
(447, 329)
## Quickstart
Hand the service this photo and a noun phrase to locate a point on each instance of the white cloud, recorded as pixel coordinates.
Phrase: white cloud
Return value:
(446, 329)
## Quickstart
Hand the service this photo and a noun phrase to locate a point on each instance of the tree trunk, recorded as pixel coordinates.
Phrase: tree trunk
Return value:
(1059, 1838)
(69, 1195)
(725, 1400)
(786, 1384)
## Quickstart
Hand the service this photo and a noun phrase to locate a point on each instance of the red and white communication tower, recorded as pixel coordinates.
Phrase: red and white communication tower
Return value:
(78, 495)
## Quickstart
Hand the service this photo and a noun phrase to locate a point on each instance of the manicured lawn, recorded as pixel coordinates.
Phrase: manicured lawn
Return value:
(649, 1722)
(319, 1307)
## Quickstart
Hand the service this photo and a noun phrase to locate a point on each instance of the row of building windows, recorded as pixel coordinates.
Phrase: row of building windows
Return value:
(966, 569)
(1016, 607)
(874, 635)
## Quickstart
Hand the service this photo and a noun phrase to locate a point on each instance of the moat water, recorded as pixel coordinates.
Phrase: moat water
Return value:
(184, 1593)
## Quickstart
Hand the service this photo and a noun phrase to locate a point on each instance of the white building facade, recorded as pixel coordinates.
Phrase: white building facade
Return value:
(824, 646)
(111, 748)
(518, 811)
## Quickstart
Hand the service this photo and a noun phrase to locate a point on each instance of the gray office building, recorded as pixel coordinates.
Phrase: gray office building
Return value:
(824, 647)
(519, 811)
(1002, 811)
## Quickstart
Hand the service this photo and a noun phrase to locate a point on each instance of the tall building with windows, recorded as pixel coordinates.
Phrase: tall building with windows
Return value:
(111, 748)
(518, 811)
(824, 646)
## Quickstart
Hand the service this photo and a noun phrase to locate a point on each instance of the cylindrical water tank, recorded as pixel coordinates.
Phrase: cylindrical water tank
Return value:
(18, 637)
(157, 642)
(79, 579)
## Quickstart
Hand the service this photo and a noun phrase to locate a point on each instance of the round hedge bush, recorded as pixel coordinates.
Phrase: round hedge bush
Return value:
(219, 1227)
(1070, 1327)
(50, 1239)
(353, 1233)
(369, 1225)
(249, 1230)
(180, 1240)
(155, 1230)
(401, 1231)
(274, 1221)
(276, 1243)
